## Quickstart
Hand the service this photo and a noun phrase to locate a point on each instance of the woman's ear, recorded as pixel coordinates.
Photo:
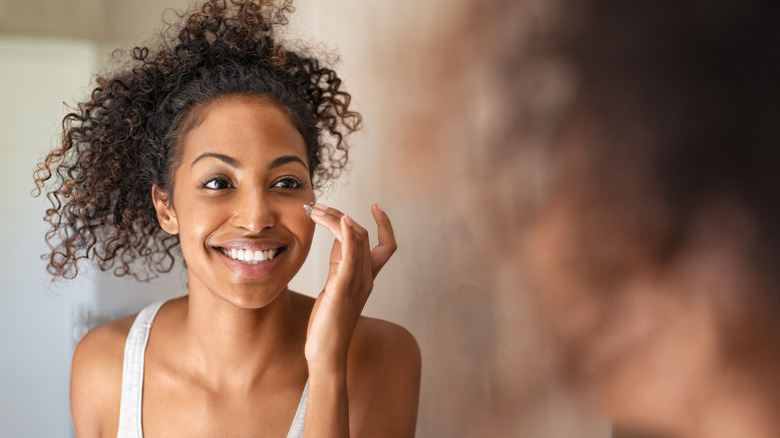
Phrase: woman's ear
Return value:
(166, 215)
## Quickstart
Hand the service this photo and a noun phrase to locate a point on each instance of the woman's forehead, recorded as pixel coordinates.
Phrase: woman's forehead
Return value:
(245, 127)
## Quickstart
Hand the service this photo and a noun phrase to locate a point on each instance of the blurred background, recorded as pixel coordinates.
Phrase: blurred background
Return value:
(489, 369)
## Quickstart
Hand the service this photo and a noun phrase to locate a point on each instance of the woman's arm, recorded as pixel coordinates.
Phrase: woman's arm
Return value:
(333, 324)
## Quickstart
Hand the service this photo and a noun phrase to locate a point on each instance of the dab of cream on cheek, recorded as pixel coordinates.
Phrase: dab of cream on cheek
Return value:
(309, 207)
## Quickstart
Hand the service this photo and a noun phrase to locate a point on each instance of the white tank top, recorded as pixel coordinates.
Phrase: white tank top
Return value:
(133, 379)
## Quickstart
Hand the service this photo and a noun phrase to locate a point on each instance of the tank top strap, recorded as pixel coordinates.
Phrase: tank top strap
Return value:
(133, 373)
(296, 430)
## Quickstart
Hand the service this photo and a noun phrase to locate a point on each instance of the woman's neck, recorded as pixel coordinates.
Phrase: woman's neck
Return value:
(232, 346)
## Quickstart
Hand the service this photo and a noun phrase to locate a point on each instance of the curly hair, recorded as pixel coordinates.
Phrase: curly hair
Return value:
(125, 139)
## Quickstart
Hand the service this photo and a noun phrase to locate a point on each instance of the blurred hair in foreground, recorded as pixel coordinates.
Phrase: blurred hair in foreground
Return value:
(622, 159)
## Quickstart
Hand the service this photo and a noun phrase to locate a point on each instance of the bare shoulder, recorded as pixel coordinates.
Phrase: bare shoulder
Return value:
(383, 379)
(96, 378)
(383, 354)
(376, 340)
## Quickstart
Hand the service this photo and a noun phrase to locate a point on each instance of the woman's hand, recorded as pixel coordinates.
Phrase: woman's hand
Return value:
(353, 267)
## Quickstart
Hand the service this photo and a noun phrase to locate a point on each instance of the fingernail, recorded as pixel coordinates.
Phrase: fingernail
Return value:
(319, 209)
(308, 207)
(348, 220)
(378, 207)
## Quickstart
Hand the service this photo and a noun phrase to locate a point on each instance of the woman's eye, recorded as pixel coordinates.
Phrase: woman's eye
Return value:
(288, 183)
(216, 184)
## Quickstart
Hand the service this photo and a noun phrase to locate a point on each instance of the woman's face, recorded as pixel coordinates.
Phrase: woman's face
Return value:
(237, 203)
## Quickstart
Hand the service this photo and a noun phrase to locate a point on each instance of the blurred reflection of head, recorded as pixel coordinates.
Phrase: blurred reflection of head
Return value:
(628, 155)
(657, 247)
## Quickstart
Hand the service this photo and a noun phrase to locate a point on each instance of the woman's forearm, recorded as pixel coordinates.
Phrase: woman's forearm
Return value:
(327, 407)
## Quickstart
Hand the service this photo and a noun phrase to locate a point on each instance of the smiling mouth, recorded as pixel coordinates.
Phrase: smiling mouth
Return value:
(251, 257)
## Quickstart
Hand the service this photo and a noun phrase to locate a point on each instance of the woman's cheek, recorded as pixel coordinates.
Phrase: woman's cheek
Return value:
(306, 227)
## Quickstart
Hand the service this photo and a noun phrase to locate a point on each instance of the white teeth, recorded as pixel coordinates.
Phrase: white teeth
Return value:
(250, 257)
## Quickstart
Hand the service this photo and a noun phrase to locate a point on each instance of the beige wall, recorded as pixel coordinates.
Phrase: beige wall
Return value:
(35, 316)
(83, 19)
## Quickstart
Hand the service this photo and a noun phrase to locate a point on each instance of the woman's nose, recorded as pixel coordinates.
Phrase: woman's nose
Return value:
(253, 212)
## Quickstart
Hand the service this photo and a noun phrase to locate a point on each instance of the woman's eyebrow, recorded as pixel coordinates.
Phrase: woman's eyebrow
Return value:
(285, 159)
(230, 161)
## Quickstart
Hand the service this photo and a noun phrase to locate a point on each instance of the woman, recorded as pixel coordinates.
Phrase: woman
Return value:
(214, 143)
